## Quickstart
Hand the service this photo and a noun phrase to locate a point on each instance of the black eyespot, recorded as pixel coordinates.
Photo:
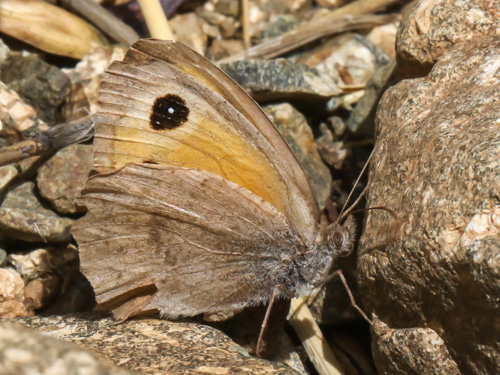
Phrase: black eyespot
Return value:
(168, 112)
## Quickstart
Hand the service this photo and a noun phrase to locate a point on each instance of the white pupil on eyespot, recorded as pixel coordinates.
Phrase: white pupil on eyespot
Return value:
(171, 110)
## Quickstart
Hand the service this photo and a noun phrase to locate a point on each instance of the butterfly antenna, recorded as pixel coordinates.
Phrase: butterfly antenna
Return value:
(391, 212)
(354, 187)
(349, 210)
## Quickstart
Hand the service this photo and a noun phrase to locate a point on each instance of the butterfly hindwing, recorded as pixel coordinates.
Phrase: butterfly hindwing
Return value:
(191, 233)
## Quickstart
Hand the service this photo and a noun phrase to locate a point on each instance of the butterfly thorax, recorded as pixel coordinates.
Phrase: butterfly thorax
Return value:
(313, 267)
(309, 268)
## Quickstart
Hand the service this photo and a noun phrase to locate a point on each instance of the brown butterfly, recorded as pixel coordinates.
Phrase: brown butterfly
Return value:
(199, 205)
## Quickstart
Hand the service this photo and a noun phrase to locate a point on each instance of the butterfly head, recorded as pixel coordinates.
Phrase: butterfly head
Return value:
(339, 237)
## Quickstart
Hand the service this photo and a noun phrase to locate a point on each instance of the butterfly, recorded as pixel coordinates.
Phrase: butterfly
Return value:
(198, 205)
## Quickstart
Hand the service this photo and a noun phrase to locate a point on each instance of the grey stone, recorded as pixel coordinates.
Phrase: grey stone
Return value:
(61, 179)
(23, 217)
(281, 78)
(41, 85)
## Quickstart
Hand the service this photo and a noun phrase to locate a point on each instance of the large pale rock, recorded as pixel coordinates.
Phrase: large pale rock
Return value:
(26, 352)
(437, 166)
(155, 346)
(352, 57)
(189, 29)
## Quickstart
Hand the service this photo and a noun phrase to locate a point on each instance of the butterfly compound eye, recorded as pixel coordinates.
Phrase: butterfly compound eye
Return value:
(337, 239)
(168, 112)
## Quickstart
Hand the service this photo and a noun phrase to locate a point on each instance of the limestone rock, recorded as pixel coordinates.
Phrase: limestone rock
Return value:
(17, 118)
(362, 116)
(351, 56)
(189, 29)
(222, 48)
(42, 262)
(4, 51)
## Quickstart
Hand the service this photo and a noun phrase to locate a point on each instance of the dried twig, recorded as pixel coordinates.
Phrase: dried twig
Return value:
(104, 20)
(308, 32)
(55, 138)
(312, 338)
(156, 20)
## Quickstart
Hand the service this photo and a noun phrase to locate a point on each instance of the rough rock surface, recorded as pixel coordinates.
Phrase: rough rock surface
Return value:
(433, 26)
(436, 166)
(62, 178)
(352, 57)
(41, 279)
(26, 352)
(405, 351)
(22, 216)
(40, 84)
(281, 79)
(11, 295)
(156, 346)
(17, 118)
(7, 174)
(294, 128)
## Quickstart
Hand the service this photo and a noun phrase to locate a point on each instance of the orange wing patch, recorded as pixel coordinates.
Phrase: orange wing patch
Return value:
(171, 120)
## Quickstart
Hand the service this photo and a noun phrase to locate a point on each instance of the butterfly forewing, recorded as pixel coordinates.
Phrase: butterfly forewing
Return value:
(159, 106)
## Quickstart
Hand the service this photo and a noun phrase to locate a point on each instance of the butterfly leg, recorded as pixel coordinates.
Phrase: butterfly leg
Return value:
(278, 288)
(340, 274)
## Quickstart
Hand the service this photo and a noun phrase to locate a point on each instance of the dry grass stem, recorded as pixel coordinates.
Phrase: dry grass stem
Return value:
(104, 20)
(156, 20)
(360, 7)
(308, 32)
(312, 338)
(245, 21)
